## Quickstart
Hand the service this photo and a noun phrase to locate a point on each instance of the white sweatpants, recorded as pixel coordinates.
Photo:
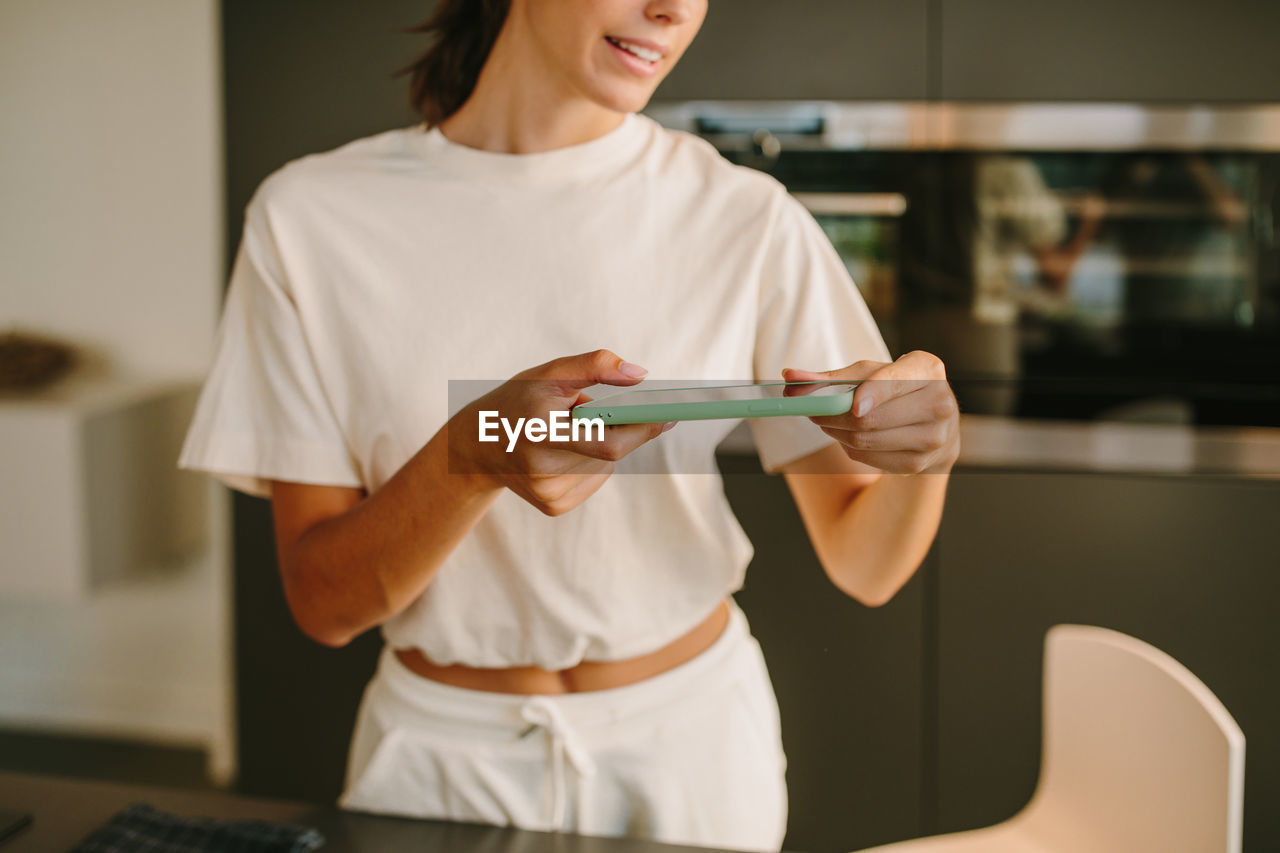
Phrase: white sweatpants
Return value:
(691, 756)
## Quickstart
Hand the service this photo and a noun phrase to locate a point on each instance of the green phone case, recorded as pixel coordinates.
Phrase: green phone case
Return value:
(647, 413)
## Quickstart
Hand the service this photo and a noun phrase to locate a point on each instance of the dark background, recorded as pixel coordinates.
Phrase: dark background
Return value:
(922, 716)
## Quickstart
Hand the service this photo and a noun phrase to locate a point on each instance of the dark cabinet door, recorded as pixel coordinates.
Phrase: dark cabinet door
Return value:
(296, 700)
(1109, 50)
(1186, 564)
(300, 76)
(806, 49)
(850, 680)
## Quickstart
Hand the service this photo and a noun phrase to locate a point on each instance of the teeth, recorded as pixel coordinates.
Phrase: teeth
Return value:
(636, 50)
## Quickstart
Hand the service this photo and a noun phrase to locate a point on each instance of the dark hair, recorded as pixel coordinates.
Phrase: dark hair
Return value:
(444, 77)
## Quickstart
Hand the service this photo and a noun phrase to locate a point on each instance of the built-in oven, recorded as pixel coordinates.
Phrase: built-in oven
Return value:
(1068, 260)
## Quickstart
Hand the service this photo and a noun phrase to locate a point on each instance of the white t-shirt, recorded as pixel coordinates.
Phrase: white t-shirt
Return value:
(371, 276)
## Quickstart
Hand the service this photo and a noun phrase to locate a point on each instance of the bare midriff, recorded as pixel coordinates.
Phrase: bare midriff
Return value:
(588, 675)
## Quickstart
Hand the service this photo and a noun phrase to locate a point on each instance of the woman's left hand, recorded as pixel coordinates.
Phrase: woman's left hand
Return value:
(904, 418)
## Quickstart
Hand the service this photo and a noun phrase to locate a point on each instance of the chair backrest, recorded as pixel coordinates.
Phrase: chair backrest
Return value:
(1138, 754)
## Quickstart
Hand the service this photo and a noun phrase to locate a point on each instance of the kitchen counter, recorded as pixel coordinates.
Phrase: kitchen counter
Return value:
(67, 810)
(991, 442)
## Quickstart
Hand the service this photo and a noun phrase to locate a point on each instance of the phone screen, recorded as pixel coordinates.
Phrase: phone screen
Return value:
(727, 393)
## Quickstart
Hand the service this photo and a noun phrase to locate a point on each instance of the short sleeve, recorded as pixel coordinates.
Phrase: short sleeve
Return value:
(811, 317)
(262, 413)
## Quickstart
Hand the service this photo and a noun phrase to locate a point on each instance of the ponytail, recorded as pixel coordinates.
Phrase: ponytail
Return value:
(443, 78)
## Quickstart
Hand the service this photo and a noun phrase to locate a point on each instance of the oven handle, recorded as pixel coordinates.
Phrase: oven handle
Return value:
(853, 204)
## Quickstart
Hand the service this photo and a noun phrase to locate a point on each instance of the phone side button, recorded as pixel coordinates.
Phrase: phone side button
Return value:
(763, 406)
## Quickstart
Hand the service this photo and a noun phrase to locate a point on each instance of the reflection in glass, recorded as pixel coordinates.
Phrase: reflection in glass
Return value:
(1066, 283)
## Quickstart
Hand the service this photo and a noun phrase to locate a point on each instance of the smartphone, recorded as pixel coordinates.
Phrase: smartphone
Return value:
(769, 399)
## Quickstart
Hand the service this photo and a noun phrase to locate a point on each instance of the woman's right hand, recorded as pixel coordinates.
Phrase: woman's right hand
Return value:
(554, 477)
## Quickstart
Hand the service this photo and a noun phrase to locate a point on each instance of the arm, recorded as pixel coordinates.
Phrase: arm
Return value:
(870, 531)
(351, 562)
(1226, 205)
(871, 503)
(1056, 262)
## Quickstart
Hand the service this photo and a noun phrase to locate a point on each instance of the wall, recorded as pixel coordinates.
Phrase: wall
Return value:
(111, 176)
(111, 212)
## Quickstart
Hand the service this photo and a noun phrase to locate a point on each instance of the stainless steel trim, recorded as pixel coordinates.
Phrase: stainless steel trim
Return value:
(1109, 127)
(845, 125)
(940, 125)
(1106, 446)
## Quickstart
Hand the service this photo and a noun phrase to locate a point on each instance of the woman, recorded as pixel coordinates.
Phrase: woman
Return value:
(562, 649)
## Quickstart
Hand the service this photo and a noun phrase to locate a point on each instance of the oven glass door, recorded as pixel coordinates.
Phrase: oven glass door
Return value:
(1075, 284)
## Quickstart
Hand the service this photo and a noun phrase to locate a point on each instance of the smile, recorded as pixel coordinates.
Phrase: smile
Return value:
(644, 54)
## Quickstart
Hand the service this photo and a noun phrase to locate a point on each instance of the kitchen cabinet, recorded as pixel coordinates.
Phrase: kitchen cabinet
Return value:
(296, 700)
(806, 49)
(985, 50)
(302, 76)
(849, 679)
(1108, 50)
(1187, 564)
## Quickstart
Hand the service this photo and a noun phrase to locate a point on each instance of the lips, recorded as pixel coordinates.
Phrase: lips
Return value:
(645, 51)
(640, 59)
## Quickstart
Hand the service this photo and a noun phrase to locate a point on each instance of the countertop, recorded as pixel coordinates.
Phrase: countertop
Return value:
(993, 442)
(66, 810)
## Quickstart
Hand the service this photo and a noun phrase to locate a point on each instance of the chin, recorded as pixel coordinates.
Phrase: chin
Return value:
(624, 101)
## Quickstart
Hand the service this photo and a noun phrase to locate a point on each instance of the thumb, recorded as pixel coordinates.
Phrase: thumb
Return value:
(792, 374)
(855, 372)
(572, 373)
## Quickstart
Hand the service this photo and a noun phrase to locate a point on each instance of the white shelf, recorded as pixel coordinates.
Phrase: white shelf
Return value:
(92, 490)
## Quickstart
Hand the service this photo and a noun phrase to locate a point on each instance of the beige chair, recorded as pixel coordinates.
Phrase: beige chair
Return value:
(1138, 756)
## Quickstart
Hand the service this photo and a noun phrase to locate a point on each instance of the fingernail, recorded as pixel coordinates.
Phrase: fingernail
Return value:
(668, 425)
(632, 370)
(864, 406)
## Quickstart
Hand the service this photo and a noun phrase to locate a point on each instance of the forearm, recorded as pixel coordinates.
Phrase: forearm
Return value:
(876, 543)
(871, 502)
(350, 566)
(353, 571)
